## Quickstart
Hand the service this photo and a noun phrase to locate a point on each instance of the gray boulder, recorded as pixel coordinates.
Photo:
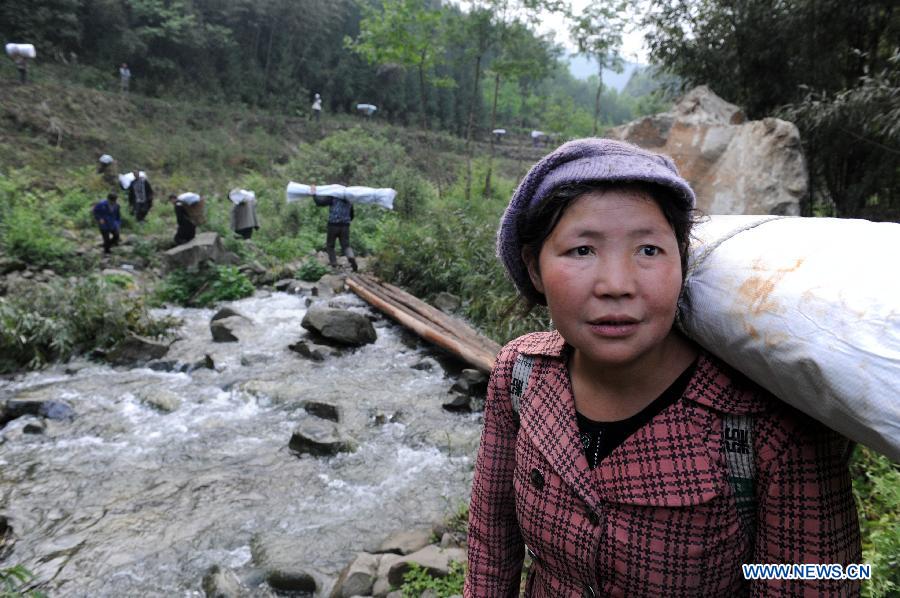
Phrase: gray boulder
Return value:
(226, 330)
(471, 382)
(320, 438)
(432, 558)
(205, 247)
(339, 325)
(322, 410)
(308, 350)
(282, 558)
(357, 578)
(137, 349)
(334, 282)
(227, 312)
(46, 408)
(406, 542)
(735, 167)
(457, 402)
(160, 399)
(382, 586)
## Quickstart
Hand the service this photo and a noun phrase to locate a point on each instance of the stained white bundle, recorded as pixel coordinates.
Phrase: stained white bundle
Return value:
(808, 308)
(499, 131)
(26, 50)
(369, 109)
(189, 198)
(361, 195)
(106, 159)
(239, 196)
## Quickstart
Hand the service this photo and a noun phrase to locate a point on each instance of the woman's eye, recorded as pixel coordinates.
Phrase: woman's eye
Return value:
(582, 251)
(649, 250)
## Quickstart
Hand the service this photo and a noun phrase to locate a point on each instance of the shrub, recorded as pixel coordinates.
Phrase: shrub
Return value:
(12, 583)
(311, 271)
(418, 580)
(206, 287)
(876, 485)
(58, 320)
(24, 234)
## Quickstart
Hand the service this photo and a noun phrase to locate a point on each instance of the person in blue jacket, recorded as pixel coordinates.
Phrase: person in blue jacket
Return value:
(106, 213)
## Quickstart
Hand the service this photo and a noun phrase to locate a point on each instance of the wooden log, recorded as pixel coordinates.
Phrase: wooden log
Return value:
(443, 331)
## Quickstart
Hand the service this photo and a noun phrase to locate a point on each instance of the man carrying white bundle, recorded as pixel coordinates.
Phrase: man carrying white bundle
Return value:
(340, 213)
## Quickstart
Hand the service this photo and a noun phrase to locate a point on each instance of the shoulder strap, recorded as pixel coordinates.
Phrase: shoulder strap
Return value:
(521, 371)
(737, 441)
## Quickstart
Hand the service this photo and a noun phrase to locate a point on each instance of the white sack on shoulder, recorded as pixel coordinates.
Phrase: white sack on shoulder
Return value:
(126, 179)
(26, 50)
(239, 196)
(808, 308)
(106, 159)
(189, 198)
(361, 195)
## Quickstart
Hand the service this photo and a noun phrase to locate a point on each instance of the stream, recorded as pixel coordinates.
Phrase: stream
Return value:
(130, 500)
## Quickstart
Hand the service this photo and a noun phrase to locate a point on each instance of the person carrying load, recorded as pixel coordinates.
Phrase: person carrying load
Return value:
(340, 214)
(109, 219)
(140, 196)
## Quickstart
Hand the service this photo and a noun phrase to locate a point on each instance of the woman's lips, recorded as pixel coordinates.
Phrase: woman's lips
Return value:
(616, 327)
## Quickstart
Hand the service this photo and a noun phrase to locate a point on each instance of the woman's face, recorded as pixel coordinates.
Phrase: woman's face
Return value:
(611, 273)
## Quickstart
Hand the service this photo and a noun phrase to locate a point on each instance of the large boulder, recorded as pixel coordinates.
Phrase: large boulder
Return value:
(282, 558)
(314, 436)
(220, 582)
(406, 542)
(205, 247)
(734, 167)
(357, 578)
(136, 349)
(339, 325)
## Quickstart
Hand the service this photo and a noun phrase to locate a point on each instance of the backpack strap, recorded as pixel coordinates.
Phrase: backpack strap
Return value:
(521, 371)
(737, 442)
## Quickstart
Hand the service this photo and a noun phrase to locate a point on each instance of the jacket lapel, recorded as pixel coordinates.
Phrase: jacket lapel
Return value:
(548, 418)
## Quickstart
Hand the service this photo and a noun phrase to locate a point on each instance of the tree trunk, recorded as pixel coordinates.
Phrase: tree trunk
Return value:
(475, 97)
(490, 164)
(269, 57)
(597, 101)
(422, 93)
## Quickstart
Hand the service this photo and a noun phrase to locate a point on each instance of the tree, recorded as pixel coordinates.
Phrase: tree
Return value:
(404, 32)
(597, 31)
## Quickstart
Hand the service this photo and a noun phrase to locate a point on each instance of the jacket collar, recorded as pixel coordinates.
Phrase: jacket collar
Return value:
(672, 461)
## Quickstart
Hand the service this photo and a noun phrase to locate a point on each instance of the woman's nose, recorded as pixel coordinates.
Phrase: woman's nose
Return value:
(614, 278)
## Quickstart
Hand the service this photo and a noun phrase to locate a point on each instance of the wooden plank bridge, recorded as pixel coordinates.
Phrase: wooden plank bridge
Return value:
(430, 323)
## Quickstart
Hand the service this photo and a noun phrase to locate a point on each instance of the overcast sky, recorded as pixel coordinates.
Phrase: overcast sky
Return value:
(632, 42)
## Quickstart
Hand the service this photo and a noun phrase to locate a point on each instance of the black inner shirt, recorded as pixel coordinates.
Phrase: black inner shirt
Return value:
(599, 439)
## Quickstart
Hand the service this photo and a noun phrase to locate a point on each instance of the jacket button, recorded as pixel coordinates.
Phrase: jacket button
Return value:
(537, 479)
(593, 518)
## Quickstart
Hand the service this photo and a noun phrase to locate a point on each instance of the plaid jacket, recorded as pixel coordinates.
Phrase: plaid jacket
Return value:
(657, 517)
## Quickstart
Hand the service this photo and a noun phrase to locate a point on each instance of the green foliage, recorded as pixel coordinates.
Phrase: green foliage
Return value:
(206, 287)
(26, 235)
(418, 580)
(312, 271)
(68, 317)
(13, 580)
(876, 485)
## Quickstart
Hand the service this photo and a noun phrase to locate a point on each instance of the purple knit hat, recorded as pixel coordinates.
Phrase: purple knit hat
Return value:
(590, 160)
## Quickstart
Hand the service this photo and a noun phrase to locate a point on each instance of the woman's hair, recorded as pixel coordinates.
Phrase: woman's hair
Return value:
(537, 223)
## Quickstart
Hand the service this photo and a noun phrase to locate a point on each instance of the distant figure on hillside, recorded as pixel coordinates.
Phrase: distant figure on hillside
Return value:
(340, 214)
(498, 135)
(20, 54)
(140, 196)
(22, 67)
(106, 213)
(106, 168)
(243, 218)
(537, 137)
(317, 108)
(186, 227)
(124, 77)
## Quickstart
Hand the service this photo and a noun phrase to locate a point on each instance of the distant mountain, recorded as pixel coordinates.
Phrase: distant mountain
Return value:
(583, 67)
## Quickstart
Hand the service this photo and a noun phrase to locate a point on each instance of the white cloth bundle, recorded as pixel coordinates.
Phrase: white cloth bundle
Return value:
(126, 179)
(499, 131)
(26, 50)
(536, 134)
(360, 195)
(808, 308)
(106, 159)
(369, 109)
(241, 195)
(189, 198)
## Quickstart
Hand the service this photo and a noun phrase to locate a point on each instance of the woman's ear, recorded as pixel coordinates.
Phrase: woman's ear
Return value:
(534, 270)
